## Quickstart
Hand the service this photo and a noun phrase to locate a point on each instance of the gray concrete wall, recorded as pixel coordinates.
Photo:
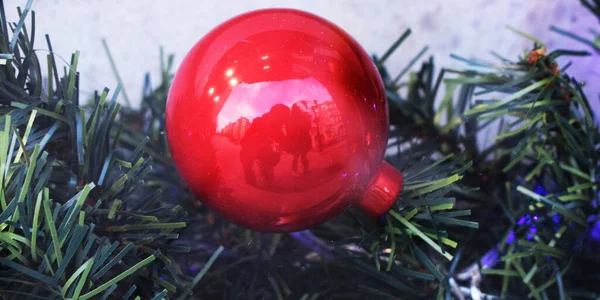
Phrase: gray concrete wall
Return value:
(136, 29)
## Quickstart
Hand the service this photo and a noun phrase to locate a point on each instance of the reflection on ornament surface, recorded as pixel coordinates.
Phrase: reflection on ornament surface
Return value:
(277, 120)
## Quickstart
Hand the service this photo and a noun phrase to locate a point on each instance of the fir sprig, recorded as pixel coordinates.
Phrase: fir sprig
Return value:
(546, 147)
(73, 220)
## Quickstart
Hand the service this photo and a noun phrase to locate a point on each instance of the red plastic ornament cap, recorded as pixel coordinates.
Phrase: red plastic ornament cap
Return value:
(277, 119)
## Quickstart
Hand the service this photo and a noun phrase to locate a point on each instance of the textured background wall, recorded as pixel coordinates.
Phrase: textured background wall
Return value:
(136, 29)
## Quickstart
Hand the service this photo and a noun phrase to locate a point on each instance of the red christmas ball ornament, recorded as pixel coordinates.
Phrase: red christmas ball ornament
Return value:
(277, 119)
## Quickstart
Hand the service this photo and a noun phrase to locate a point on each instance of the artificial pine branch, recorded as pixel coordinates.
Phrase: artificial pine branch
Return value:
(546, 149)
(546, 134)
(77, 219)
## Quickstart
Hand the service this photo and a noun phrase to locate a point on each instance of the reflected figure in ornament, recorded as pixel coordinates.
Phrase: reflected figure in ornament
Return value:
(319, 135)
(298, 136)
(261, 144)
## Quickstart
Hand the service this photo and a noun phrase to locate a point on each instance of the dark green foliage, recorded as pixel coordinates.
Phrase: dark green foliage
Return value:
(74, 220)
(539, 175)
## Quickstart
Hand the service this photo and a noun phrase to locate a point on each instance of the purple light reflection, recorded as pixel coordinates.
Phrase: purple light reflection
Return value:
(313, 243)
(490, 259)
(595, 231)
(540, 190)
(510, 238)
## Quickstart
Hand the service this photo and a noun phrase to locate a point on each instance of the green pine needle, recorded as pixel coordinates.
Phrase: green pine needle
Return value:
(421, 235)
(120, 277)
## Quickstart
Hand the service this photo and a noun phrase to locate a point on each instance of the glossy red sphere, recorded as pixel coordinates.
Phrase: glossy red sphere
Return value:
(277, 119)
